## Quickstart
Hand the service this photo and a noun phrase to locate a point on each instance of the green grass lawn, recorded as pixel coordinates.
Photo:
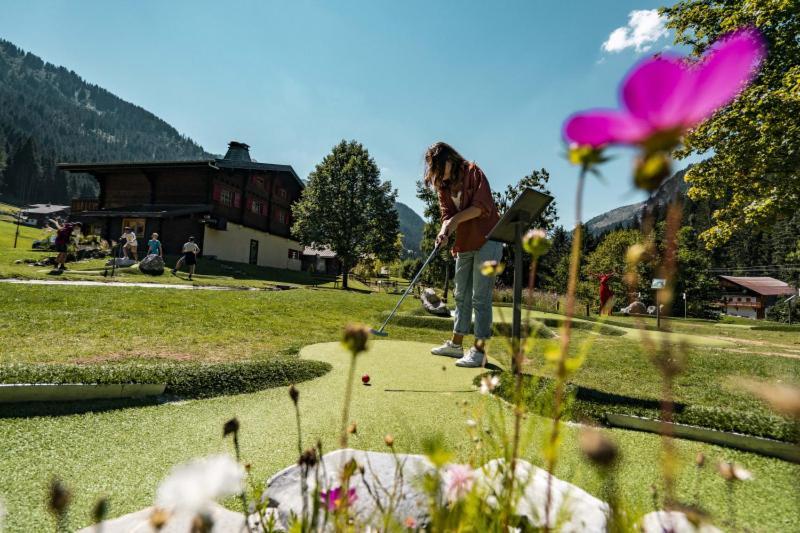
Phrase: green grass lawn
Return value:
(124, 453)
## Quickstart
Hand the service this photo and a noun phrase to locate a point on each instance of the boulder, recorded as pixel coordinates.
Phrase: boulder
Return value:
(152, 264)
(573, 509)
(121, 262)
(635, 308)
(433, 304)
(659, 521)
(378, 473)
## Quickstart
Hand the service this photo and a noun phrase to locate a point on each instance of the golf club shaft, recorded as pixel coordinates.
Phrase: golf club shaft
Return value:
(410, 286)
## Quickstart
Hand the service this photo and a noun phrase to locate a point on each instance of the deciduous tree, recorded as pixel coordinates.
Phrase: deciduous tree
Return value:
(347, 207)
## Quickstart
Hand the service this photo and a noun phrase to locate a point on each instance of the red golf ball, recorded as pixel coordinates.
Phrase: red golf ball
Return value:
(365, 379)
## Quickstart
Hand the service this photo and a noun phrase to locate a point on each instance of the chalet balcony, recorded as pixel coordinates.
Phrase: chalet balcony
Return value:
(80, 205)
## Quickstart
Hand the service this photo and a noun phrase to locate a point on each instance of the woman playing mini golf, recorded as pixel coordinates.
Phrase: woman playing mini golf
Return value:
(468, 209)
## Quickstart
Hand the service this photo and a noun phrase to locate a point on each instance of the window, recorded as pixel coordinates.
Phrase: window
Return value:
(136, 224)
(280, 215)
(257, 181)
(257, 206)
(294, 254)
(282, 194)
(226, 197)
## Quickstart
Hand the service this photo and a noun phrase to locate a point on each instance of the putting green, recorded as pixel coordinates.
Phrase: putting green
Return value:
(124, 453)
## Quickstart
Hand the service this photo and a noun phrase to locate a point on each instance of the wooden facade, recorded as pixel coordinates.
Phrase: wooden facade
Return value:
(178, 199)
(750, 297)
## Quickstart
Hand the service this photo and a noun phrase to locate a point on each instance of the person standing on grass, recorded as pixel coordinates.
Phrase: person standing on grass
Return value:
(131, 244)
(189, 257)
(63, 236)
(468, 209)
(154, 246)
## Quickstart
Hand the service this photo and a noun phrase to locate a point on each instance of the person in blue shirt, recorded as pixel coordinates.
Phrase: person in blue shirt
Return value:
(154, 246)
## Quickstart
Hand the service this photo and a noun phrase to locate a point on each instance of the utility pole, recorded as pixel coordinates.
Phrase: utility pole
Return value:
(16, 234)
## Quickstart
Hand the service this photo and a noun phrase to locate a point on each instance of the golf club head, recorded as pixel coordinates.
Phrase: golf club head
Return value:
(379, 333)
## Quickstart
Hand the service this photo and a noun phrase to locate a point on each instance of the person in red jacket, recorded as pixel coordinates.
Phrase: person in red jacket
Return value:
(468, 209)
(63, 236)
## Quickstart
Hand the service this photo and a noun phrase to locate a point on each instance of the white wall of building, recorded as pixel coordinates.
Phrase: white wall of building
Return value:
(745, 312)
(233, 244)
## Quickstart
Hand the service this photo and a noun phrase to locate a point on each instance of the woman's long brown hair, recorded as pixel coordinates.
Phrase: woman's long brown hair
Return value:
(436, 158)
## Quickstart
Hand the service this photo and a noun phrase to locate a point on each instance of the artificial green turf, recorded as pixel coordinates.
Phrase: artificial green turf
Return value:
(124, 453)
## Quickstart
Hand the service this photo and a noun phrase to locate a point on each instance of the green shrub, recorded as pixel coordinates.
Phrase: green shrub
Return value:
(188, 380)
(591, 404)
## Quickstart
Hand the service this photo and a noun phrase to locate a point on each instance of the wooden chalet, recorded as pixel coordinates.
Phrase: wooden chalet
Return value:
(750, 297)
(237, 209)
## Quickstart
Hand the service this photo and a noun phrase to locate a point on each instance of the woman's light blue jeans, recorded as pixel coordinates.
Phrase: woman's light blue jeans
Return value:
(473, 290)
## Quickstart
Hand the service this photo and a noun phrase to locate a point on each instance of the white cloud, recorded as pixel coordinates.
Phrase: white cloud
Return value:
(645, 27)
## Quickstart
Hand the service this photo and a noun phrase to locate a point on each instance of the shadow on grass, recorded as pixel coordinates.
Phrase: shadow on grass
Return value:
(78, 407)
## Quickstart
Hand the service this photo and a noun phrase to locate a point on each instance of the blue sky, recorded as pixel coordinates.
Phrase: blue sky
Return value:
(495, 79)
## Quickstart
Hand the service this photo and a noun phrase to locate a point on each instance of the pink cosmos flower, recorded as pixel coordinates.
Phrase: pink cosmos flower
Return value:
(457, 481)
(334, 499)
(669, 94)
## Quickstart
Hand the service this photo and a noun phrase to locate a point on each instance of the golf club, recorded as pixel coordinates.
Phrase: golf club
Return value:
(379, 332)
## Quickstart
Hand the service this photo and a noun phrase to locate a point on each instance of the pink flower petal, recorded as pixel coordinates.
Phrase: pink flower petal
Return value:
(600, 127)
(725, 70)
(656, 91)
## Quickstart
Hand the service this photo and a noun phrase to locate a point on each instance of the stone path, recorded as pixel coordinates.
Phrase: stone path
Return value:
(84, 283)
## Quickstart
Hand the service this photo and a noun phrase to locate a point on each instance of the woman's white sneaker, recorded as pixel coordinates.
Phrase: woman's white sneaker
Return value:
(474, 359)
(448, 349)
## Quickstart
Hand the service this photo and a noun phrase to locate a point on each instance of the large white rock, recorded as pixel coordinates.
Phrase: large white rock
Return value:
(384, 473)
(673, 521)
(572, 508)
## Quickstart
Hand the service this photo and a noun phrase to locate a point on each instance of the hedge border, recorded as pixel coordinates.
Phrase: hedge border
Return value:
(186, 380)
(587, 403)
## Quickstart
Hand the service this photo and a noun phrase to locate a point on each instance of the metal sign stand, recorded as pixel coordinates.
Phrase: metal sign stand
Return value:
(509, 230)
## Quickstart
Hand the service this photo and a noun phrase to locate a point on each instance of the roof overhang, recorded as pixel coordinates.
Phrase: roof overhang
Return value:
(146, 212)
(132, 165)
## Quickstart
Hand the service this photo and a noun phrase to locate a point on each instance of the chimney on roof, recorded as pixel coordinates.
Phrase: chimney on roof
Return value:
(238, 152)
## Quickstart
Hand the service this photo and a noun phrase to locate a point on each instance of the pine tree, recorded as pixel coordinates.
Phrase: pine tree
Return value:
(23, 173)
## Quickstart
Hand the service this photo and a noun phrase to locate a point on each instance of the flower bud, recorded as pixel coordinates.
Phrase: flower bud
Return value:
(700, 460)
(294, 394)
(158, 519)
(352, 428)
(536, 243)
(650, 170)
(389, 440)
(355, 338)
(100, 510)
(59, 498)
(585, 155)
(598, 448)
(492, 268)
(231, 426)
(308, 458)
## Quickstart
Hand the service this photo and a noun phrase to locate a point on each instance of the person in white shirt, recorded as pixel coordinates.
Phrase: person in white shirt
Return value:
(130, 245)
(189, 257)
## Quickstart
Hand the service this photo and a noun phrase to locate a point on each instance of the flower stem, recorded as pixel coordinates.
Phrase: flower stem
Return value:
(348, 392)
(558, 400)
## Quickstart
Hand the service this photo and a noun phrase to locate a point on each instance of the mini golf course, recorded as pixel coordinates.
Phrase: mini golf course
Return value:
(124, 453)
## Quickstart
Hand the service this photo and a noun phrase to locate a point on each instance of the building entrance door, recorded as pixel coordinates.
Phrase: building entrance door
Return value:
(253, 252)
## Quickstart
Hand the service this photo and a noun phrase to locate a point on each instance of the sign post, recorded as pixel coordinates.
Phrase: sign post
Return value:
(685, 310)
(509, 229)
(657, 285)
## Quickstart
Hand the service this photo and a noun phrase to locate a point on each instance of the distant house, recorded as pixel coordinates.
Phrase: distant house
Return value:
(237, 209)
(750, 297)
(321, 260)
(41, 213)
